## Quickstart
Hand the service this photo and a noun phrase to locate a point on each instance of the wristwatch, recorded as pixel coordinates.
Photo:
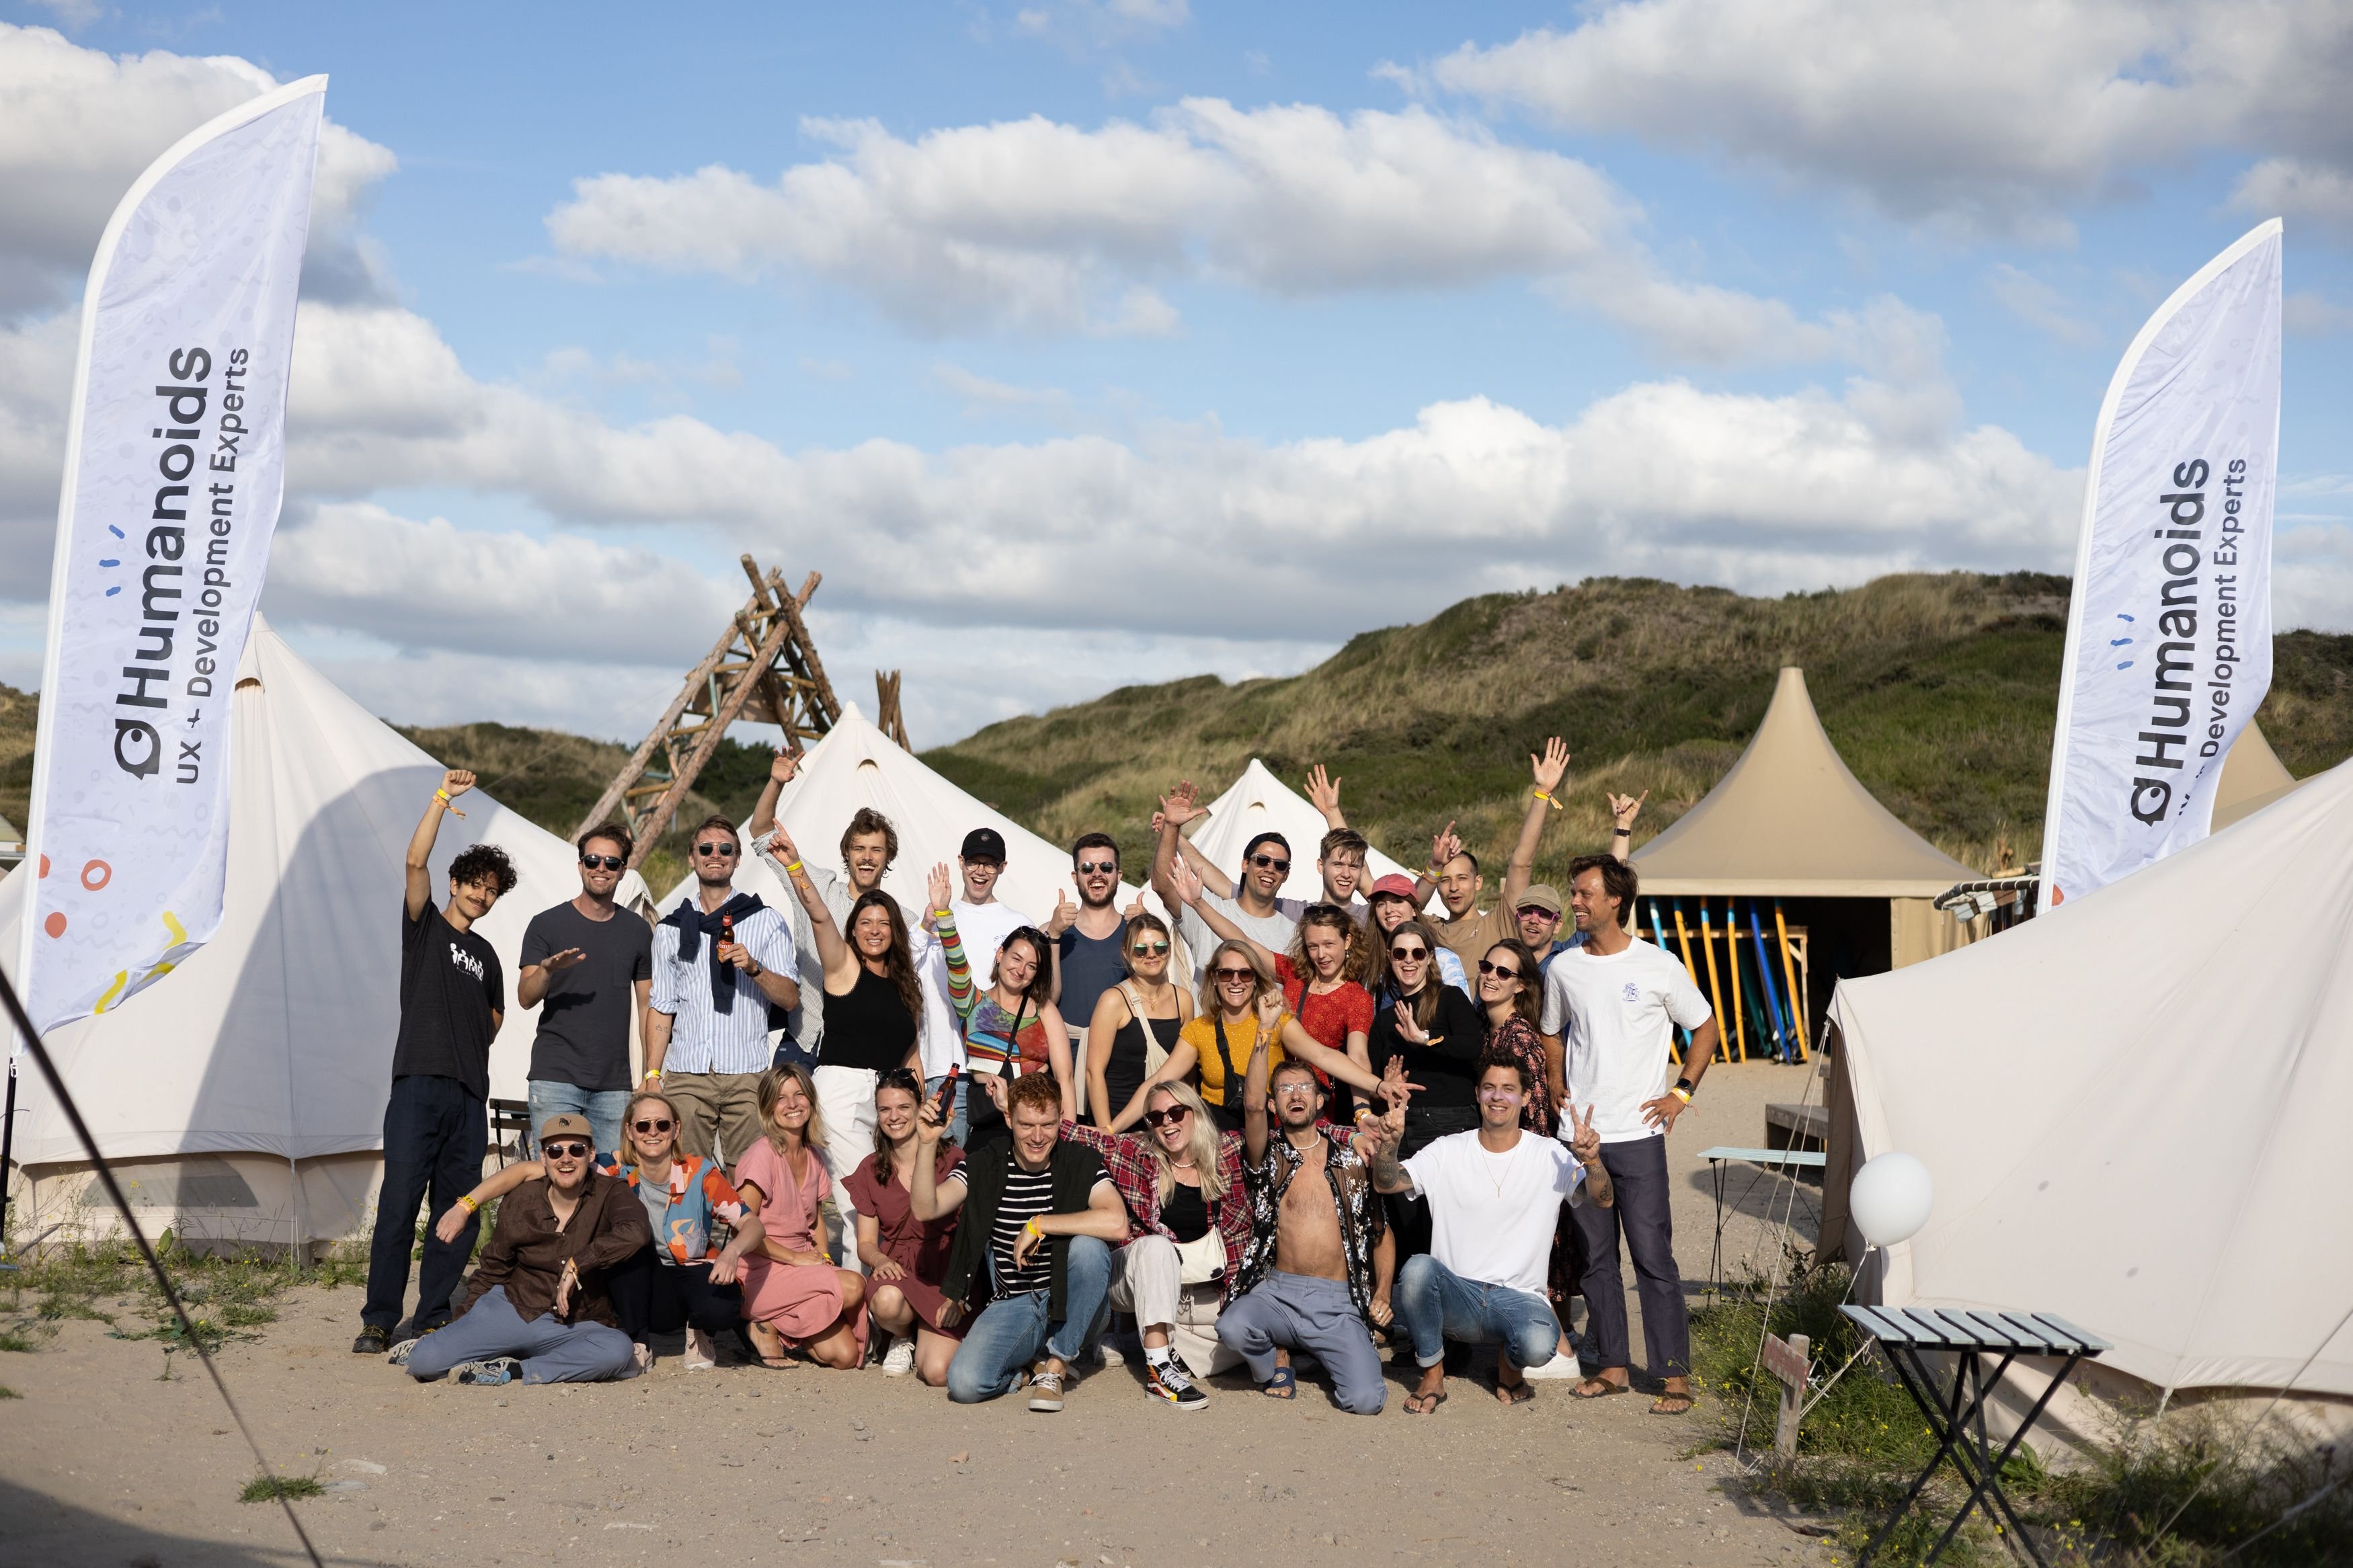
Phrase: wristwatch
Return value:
(1685, 1087)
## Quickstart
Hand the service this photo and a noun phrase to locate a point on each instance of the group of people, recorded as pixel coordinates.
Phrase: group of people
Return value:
(973, 1138)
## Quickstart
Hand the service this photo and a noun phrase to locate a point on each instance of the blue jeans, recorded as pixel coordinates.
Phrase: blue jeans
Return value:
(1439, 1304)
(603, 1108)
(435, 1132)
(959, 1127)
(1013, 1331)
(550, 1352)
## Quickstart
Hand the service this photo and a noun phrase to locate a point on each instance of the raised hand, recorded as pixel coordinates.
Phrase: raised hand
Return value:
(557, 963)
(1066, 912)
(928, 1125)
(1396, 1088)
(1270, 1013)
(781, 844)
(787, 765)
(1443, 849)
(1323, 793)
(456, 782)
(1182, 804)
(1552, 766)
(1583, 1141)
(940, 885)
(1625, 808)
(1409, 1027)
(1186, 881)
(1133, 908)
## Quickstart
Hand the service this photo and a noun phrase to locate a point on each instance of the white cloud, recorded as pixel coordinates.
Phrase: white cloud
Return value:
(2037, 303)
(984, 397)
(1986, 117)
(1039, 226)
(2292, 188)
(78, 125)
(2308, 315)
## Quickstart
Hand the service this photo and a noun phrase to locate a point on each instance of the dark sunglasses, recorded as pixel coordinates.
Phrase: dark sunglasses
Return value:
(1142, 948)
(1497, 970)
(724, 851)
(1235, 973)
(1088, 867)
(1157, 1119)
(610, 862)
(566, 1148)
(1409, 955)
(652, 1126)
(899, 1077)
(1265, 862)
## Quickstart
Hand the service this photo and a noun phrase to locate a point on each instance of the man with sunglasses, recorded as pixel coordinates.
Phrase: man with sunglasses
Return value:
(722, 960)
(1466, 931)
(586, 964)
(1315, 1274)
(1255, 903)
(1087, 937)
(538, 1309)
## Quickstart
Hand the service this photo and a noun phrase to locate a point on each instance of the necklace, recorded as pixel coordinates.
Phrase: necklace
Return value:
(1487, 1169)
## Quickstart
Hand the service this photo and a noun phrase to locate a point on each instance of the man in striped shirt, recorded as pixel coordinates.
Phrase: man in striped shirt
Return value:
(722, 959)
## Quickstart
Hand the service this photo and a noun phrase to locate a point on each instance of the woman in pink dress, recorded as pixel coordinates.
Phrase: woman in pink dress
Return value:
(794, 1298)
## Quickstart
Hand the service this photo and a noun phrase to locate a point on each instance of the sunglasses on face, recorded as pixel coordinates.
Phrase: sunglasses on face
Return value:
(723, 851)
(1093, 867)
(566, 1149)
(1159, 1118)
(1152, 948)
(610, 862)
(1231, 977)
(1409, 955)
(652, 1126)
(1268, 863)
(1498, 971)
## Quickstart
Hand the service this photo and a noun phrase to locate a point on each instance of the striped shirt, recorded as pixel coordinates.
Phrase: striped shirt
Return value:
(702, 1039)
(1028, 1195)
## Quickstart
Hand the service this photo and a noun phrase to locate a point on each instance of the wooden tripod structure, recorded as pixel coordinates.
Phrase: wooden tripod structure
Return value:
(887, 715)
(763, 668)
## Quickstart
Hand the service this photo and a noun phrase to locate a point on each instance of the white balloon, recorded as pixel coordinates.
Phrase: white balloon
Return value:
(1891, 1198)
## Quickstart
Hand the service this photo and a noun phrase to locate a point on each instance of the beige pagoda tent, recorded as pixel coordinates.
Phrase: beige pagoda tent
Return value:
(2253, 777)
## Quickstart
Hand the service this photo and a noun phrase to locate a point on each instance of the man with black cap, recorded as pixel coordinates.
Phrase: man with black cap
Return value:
(536, 1309)
(982, 921)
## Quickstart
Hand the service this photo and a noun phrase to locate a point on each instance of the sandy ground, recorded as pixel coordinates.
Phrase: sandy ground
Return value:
(103, 1464)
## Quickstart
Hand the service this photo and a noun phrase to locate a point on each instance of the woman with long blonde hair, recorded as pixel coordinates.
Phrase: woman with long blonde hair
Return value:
(794, 1296)
(1136, 1023)
(1188, 1219)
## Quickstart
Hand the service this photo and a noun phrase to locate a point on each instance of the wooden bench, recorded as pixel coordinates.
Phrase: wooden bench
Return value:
(1798, 1127)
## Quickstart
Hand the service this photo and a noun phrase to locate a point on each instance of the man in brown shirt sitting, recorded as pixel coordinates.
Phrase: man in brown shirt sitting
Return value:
(536, 1309)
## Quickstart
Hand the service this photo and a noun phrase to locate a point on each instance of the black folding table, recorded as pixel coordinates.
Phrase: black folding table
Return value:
(1956, 1413)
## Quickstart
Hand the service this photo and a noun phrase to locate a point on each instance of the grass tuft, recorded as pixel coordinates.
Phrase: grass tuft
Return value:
(269, 1488)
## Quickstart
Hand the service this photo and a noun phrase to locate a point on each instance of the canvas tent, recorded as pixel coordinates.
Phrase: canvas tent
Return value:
(1257, 803)
(855, 764)
(2253, 777)
(1790, 823)
(242, 1097)
(2134, 1107)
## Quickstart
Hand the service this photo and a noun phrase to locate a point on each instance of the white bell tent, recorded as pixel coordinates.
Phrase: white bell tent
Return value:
(241, 1098)
(1257, 803)
(855, 765)
(2134, 1107)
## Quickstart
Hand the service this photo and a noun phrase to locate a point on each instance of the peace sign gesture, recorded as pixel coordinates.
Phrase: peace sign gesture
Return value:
(1583, 1141)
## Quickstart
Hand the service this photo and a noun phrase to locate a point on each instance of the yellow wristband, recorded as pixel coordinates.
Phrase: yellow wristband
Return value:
(792, 865)
(1548, 800)
(1034, 1228)
(944, 914)
(1681, 1093)
(466, 1201)
(654, 1076)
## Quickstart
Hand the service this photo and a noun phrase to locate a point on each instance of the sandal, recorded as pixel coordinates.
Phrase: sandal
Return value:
(1600, 1388)
(1671, 1404)
(1517, 1394)
(1284, 1385)
(1424, 1403)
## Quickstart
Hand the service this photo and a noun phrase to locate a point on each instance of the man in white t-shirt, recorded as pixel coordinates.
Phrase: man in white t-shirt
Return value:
(1494, 1198)
(984, 920)
(1614, 1002)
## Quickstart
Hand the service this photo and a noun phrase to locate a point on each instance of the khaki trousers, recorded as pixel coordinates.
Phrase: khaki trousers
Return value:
(723, 1103)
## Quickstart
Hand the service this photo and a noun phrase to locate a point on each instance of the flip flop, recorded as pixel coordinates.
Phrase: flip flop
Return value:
(1518, 1393)
(1284, 1385)
(1414, 1405)
(1672, 1405)
(1586, 1390)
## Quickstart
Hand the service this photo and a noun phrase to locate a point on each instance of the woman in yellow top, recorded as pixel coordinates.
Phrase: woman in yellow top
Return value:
(1239, 996)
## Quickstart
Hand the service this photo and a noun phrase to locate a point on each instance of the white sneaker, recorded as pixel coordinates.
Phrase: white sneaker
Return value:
(1562, 1365)
(901, 1358)
(702, 1355)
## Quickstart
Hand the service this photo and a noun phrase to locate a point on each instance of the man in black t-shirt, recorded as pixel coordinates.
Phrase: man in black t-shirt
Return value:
(452, 997)
(587, 963)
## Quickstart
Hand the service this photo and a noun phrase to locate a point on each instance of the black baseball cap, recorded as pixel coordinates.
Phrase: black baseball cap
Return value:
(985, 843)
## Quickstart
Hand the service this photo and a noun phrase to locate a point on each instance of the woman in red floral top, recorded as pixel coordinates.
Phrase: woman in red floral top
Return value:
(1182, 1182)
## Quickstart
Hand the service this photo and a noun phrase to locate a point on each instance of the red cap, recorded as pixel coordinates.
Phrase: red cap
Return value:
(1396, 882)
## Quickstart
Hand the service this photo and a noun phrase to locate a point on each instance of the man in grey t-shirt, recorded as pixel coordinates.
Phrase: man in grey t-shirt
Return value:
(587, 966)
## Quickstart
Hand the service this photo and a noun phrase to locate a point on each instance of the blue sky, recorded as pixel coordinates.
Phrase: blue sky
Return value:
(1084, 343)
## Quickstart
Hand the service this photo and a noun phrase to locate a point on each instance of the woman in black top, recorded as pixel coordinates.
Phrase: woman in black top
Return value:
(1439, 1032)
(873, 1017)
(1119, 1057)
